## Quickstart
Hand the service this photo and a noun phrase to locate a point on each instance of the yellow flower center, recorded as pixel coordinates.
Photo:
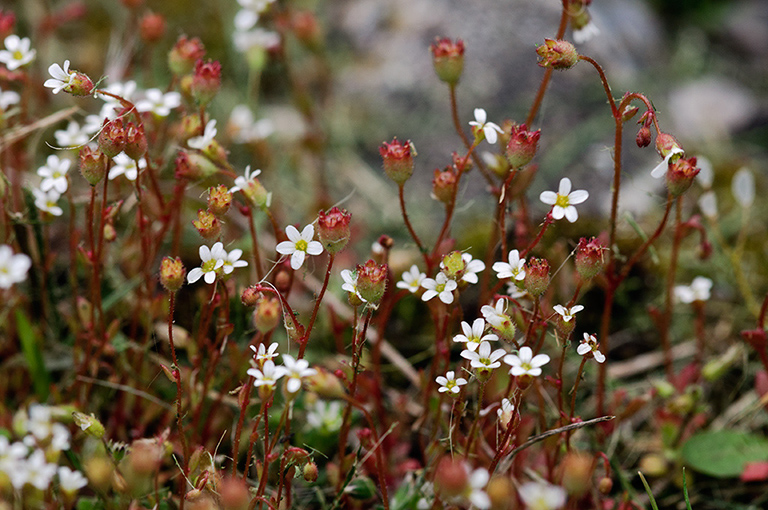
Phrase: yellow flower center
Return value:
(562, 200)
(17, 55)
(208, 265)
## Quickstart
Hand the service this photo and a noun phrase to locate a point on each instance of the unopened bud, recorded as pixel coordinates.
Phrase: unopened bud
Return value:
(152, 27)
(325, 384)
(448, 59)
(398, 160)
(172, 273)
(444, 185)
(135, 141)
(110, 234)
(605, 485)
(184, 54)
(643, 138)
(207, 225)
(577, 473)
(557, 54)
(88, 424)
(250, 296)
(310, 472)
(266, 315)
(193, 166)
(500, 491)
(206, 81)
(333, 229)
(372, 281)
(93, 165)
(112, 138)
(522, 145)
(451, 477)
(536, 276)
(219, 200)
(589, 257)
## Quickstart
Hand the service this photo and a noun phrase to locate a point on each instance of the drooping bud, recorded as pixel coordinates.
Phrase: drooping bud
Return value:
(333, 229)
(536, 276)
(172, 273)
(643, 138)
(372, 281)
(680, 175)
(219, 200)
(325, 384)
(206, 81)
(589, 257)
(88, 424)
(557, 54)
(448, 59)
(310, 472)
(152, 27)
(398, 160)
(666, 143)
(193, 166)
(444, 185)
(184, 54)
(250, 296)
(207, 224)
(112, 137)
(266, 315)
(135, 141)
(93, 165)
(451, 477)
(522, 145)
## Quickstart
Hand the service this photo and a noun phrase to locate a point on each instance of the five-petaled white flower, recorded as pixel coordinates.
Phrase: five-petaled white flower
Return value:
(471, 268)
(698, 290)
(483, 358)
(17, 52)
(8, 98)
(473, 335)
(450, 383)
(242, 182)
(263, 353)
(71, 137)
(209, 133)
(212, 259)
(564, 200)
(54, 174)
(232, 260)
(268, 375)
(496, 315)
(125, 165)
(299, 245)
(515, 268)
(542, 496)
(491, 130)
(158, 103)
(440, 286)
(46, 201)
(567, 313)
(661, 169)
(71, 480)
(589, 344)
(525, 363)
(412, 280)
(295, 371)
(62, 77)
(350, 283)
(13, 268)
(38, 471)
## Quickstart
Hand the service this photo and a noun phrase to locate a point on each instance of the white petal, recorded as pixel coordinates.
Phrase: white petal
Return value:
(480, 115)
(285, 247)
(292, 233)
(314, 248)
(210, 277)
(578, 196)
(571, 214)
(548, 197)
(297, 259)
(565, 186)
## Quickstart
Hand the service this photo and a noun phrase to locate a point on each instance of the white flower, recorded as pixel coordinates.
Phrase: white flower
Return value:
(71, 137)
(505, 411)
(263, 354)
(59, 437)
(585, 33)
(299, 245)
(589, 344)
(12, 456)
(471, 268)
(38, 471)
(449, 383)
(296, 370)
(54, 174)
(248, 16)
(567, 313)
(71, 480)
(564, 200)
(13, 268)
(125, 165)
(484, 359)
(698, 290)
(412, 280)
(268, 375)
(8, 98)
(46, 201)
(92, 124)
(350, 283)
(256, 38)
(661, 169)
(542, 496)
(441, 286)
(159, 103)
(708, 204)
(706, 174)
(243, 128)
(17, 52)
(743, 187)
(476, 495)
(473, 335)
(491, 130)
(327, 416)
(212, 259)
(62, 77)
(525, 363)
(514, 269)
(209, 133)
(242, 182)
(232, 260)
(496, 315)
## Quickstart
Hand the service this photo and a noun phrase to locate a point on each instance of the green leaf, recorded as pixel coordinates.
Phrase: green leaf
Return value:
(724, 453)
(30, 346)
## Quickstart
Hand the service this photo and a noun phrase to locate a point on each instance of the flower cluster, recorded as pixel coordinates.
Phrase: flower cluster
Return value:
(216, 262)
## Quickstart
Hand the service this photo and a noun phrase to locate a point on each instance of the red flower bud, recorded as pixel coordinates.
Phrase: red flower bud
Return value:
(93, 165)
(557, 54)
(80, 85)
(172, 273)
(112, 138)
(398, 160)
(643, 138)
(589, 257)
(184, 54)
(219, 200)
(680, 175)
(536, 276)
(444, 185)
(448, 59)
(522, 145)
(207, 224)
(451, 477)
(206, 81)
(333, 229)
(7, 22)
(152, 27)
(135, 141)
(372, 281)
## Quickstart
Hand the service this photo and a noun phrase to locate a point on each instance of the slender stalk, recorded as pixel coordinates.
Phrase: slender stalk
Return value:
(573, 399)
(408, 225)
(179, 393)
(255, 244)
(670, 283)
(305, 339)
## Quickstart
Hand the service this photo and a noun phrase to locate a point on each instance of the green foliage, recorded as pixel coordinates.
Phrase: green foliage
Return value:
(724, 453)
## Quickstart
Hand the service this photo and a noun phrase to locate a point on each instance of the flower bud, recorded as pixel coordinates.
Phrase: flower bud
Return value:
(666, 143)
(325, 384)
(643, 138)
(589, 257)
(79, 84)
(266, 315)
(333, 229)
(7, 22)
(605, 485)
(522, 145)
(451, 477)
(557, 54)
(110, 234)
(310, 472)
(207, 225)
(448, 59)
(680, 175)
(135, 141)
(536, 276)
(398, 160)
(500, 491)
(88, 424)
(99, 471)
(206, 81)
(257, 194)
(307, 29)
(219, 200)
(372, 281)
(250, 296)
(444, 185)
(233, 494)
(93, 165)
(453, 265)
(172, 273)
(577, 473)
(112, 137)
(152, 27)
(184, 54)
(193, 166)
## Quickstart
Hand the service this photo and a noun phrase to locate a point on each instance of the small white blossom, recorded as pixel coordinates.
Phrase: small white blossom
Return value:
(450, 383)
(589, 344)
(12, 455)
(505, 411)
(476, 495)
(585, 33)
(491, 130)
(264, 354)
(39, 472)
(8, 98)
(496, 315)
(350, 283)
(440, 286)
(299, 245)
(256, 38)
(698, 290)
(125, 165)
(243, 128)
(17, 52)
(209, 133)
(708, 204)
(212, 259)
(232, 260)
(70, 480)
(295, 371)
(242, 182)
(327, 416)
(706, 174)
(542, 496)
(515, 268)
(71, 137)
(159, 103)
(247, 17)
(567, 313)
(661, 169)
(564, 200)
(61, 77)
(59, 437)
(54, 174)
(46, 201)
(13, 268)
(525, 363)
(471, 268)
(743, 187)
(483, 358)
(473, 335)
(268, 375)
(412, 280)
